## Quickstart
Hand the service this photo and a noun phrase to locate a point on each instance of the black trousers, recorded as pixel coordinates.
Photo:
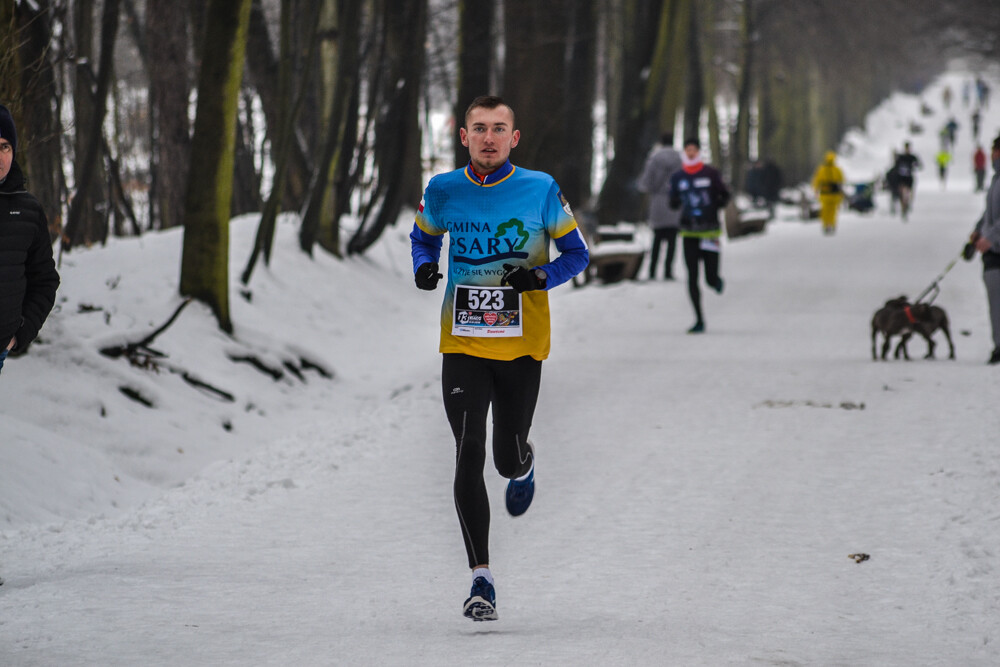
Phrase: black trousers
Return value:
(668, 234)
(471, 386)
(693, 256)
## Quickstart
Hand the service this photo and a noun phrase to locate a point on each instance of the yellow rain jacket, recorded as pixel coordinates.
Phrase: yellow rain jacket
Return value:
(828, 182)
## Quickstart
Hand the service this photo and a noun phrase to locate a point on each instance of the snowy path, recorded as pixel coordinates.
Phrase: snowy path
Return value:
(698, 497)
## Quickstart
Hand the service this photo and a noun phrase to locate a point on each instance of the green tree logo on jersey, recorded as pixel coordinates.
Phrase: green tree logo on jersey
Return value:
(518, 226)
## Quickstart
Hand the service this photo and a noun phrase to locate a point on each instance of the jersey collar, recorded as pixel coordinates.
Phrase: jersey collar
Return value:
(490, 179)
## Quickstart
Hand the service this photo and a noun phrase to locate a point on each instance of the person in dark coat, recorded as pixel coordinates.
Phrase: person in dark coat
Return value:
(771, 181)
(28, 277)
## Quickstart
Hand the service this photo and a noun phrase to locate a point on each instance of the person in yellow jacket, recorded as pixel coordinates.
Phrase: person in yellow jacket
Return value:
(828, 182)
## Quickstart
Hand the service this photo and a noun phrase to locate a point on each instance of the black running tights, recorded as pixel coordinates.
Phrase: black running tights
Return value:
(693, 254)
(470, 386)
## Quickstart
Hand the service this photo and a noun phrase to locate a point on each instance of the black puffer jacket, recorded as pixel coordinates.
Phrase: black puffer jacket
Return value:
(28, 277)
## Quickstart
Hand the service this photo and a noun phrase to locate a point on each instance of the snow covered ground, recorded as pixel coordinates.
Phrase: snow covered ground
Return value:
(699, 498)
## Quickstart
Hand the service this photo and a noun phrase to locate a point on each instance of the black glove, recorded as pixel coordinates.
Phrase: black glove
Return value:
(521, 279)
(427, 276)
(968, 252)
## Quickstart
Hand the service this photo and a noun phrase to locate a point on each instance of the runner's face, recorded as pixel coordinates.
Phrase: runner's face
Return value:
(489, 135)
(691, 151)
(6, 157)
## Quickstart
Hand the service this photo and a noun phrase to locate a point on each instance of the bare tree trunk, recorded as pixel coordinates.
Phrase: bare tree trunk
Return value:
(330, 186)
(665, 85)
(581, 78)
(246, 180)
(262, 68)
(205, 257)
(77, 230)
(28, 87)
(694, 100)
(10, 61)
(739, 150)
(633, 133)
(535, 70)
(548, 80)
(285, 137)
(167, 35)
(397, 122)
(706, 15)
(475, 59)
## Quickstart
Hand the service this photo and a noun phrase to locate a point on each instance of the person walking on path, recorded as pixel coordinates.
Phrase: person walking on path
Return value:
(979, 166)
(699, 192)
(28, 276)
(943, 159)
(495, 314)
(892, 184)
(950, 130)
(828, 183)
(664, 221)
(985, 238)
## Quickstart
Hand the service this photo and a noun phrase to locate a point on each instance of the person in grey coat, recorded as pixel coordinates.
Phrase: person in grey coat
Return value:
(986, 239)
(664, 221)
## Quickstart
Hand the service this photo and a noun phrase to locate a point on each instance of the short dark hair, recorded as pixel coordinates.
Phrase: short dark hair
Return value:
(692, 141)
(667, 138)
(489, 102)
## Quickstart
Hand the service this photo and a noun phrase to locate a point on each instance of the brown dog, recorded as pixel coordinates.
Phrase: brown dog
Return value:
(899, 317)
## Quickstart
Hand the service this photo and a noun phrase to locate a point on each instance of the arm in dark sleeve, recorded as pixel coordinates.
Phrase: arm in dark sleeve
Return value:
(41, 282)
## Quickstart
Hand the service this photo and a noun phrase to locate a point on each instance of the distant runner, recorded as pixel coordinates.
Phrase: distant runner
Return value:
(906, 166)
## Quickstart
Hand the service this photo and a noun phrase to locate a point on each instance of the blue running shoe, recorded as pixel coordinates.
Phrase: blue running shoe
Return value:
(482, 602)
(520, 492)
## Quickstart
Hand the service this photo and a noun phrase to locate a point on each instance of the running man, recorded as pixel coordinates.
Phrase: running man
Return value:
(906, 166)
(495, 315)
(697, 189)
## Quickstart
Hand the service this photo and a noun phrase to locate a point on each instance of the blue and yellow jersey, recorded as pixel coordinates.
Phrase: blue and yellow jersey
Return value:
(507, 218)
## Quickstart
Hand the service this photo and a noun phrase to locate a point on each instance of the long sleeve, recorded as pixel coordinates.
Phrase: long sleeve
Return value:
(424, 247)
(573, 258)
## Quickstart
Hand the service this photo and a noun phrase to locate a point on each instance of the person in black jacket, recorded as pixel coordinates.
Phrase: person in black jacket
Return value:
(28, 277)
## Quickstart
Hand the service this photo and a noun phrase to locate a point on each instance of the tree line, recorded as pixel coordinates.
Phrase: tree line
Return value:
(138, 115)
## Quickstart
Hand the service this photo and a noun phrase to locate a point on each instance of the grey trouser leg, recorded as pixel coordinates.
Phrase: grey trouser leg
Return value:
(992, 279)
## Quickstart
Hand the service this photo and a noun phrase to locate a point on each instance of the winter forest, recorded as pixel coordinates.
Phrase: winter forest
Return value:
(227, 444)
(139, 116)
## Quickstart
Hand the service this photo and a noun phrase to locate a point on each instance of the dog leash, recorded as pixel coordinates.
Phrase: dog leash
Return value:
(933, 287)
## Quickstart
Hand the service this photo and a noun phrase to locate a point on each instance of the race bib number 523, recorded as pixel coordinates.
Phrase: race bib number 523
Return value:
(493, 312)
